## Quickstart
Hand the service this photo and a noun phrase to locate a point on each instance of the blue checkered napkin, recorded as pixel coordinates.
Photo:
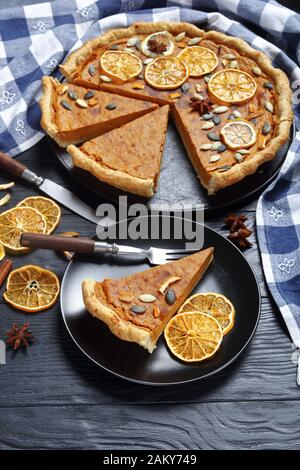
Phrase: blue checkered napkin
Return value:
(36, 38)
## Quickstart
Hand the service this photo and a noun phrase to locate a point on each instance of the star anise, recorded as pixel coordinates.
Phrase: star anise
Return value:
(238, 231)
(19, 336)
(157, 46)
(203, 106)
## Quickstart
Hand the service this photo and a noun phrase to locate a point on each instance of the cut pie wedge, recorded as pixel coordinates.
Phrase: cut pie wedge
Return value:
(137, 308)
(72, 114)
(129, 157)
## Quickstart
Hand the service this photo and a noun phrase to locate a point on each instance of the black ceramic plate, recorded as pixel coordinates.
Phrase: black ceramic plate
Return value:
(229, 274)
(178, 182)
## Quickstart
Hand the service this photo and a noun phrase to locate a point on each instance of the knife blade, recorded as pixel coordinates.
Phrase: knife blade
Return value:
(54, 190)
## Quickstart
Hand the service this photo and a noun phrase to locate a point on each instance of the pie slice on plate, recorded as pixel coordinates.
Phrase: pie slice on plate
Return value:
(129, 157)
(137, 308)
(73, 114)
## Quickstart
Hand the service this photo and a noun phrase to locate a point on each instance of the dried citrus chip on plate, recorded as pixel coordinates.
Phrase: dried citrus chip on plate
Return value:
(166, 73)
(121, 65)
(16, 221)
(199, 60)
(31, 289)
(215, 305)
(193, 336)
(238, 134)
(232, 86)
(48, 208)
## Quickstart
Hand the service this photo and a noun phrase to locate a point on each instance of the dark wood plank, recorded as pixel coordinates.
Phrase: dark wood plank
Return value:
(255, 426)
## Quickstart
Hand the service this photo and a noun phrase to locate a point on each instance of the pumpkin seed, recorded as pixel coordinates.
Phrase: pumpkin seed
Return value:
(213, 136)
(244, 151)
(233, 64)
(224, 168)
(224, 63)
(214, 158)
(127, 49)
(207, 78)
(138, 309)
(198, 96)
(216, 120)
(66, 105)
(256, 70)
(89, 94)
(220, 109)
(215, 145)
(111, 106)
(114, 47)
(105, 79)
(170, 296)
(72, 95)
(266, 128)
(147, 298)
(238, 157)
(185, 87)
(222, 148)
(92, 69)
(82, 103)
(230, 117)
(208, 125)
(236, 114)
(132, 42)
(180, 36)
(194, 41)
(268, 85)
(148, 61)
(229, 56)
(207, 116)
(198, 88)
(269, 107)
(206, 147)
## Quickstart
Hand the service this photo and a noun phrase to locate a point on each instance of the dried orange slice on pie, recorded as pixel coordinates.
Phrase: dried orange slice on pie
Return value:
(121, 65)
(193, 336)
(158, 43)
(232, 86)
(166, 73)
(215, 305)
(31, 289)
(199, 60)
(16, 221)
(238, 134)
(48, 208)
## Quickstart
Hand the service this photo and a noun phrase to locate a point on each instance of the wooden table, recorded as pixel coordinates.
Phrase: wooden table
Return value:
(53, 397)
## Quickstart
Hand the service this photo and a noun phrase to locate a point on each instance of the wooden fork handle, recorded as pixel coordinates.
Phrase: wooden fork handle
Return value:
(58, 243)
(11, 166)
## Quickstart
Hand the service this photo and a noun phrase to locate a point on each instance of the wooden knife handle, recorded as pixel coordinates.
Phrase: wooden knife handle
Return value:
(58, 243)
(10, 165)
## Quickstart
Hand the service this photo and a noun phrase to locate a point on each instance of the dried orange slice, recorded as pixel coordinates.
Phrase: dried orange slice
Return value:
(31, 288)
(162, 39)
(166, 73)
(199, 60)
(238, 134)
(232, 86)
(193, 336)
(16, 221)
(216, 305)
(121, 65)
(48, 208)
(2, 252)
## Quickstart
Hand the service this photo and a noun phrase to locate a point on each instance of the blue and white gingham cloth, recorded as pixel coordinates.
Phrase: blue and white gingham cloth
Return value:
(36, 38)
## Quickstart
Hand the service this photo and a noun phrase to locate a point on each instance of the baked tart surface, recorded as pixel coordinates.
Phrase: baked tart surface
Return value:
(208, 79)
(73, 114)
(121, 159)
(138, 307)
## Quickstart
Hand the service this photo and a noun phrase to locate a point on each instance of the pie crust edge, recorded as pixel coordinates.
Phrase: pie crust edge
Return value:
(121, 328)
(119, 179)
(284, 113)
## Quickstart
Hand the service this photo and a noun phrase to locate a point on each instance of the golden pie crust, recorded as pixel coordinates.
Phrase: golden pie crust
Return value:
(102, 301)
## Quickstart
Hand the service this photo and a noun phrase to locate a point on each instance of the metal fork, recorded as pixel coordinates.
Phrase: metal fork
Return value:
(88, 246)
